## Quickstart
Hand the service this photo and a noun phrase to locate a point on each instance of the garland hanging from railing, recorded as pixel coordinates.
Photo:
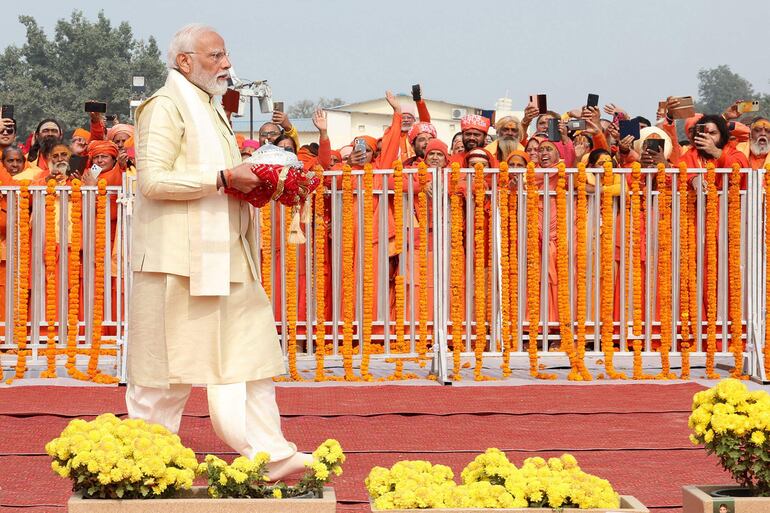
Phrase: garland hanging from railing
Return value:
(23, 252)
(50, 279)
(422, 258)
(319, 231)
(457, 270)
(581, 260)
(607, 265)
(711, 270)
(348, 285)
(368, 283)
(734, 261)
(503, 185)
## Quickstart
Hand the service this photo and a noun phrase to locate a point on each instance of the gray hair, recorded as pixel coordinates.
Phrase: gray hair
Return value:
(184, 41)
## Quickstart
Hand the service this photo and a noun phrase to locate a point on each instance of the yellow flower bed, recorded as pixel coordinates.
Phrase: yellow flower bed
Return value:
(109, 458)
(734, 423)
(490, 481)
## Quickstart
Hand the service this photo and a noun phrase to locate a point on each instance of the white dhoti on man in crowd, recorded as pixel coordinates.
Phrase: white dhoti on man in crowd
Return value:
(198, 312)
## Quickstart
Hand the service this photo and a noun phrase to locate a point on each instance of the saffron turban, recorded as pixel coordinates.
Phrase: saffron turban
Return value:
(80, 132)
(120, 128)
(479, 153)
(437, 145)
(421, 128)
(102, 148)
(519, 153)
(474, 122)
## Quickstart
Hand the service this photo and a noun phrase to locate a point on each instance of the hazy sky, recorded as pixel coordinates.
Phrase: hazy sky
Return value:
(472, 52)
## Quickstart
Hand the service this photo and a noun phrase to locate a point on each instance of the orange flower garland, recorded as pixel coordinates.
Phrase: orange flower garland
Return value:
(636, 267)
(290, 272)
(267, 253)
(581, 259)
(479, 189)
(607, 263)
(366, 329)
(50, 278)
(734, 262)
(664, 267)
(422, 220)
(562, 269)
(73, 322)
(23, 250)
(457, 267)
(505, 305)
(685, 262)
(98, 313)
(398, 215)
(766, 348)
(320, 281)
(711, 273)
(513, 258)
(347, 263)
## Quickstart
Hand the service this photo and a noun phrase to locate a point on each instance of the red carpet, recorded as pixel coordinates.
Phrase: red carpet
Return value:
(634, 435)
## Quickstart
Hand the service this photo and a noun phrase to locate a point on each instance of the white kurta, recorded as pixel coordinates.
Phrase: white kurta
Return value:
(175, 337)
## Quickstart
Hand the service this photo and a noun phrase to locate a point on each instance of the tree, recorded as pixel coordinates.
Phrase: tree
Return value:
(719, 87)
(306, 108)
(85, 60)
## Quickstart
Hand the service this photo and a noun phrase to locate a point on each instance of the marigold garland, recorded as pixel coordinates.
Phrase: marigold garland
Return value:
(636, 268)
(533, 270)
(711, 270)
(398, 241)
(267, 250)
(290, 273)
(347, 263)
(422, 257)
(513, 259)
(505, 305)
(685, 262)
(607, 264)
(73, 321)
(664, 269)
(319, 231)
(479, 258)
(734, 262)
(766, 348)
(457, 267)
(368, 288)
(50, 281)
(100, 249)
(581, 260)
(23, 251)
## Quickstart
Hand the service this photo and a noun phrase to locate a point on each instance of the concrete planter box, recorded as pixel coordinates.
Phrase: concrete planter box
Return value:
(698, 499)
(628, 504)
(198, 501)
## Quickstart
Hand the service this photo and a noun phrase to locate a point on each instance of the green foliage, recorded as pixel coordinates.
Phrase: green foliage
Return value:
(719, 87)
(85, 60)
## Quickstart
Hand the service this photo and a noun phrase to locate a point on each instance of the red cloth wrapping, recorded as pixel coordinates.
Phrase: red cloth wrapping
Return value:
(297, 186)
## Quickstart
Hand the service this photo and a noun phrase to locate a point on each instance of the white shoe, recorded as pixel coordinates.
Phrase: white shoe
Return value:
(295, 463)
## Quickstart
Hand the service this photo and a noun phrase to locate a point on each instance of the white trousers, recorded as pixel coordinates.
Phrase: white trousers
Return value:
(244, 415)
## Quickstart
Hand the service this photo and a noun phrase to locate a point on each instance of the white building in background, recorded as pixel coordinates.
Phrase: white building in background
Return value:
(372, 117)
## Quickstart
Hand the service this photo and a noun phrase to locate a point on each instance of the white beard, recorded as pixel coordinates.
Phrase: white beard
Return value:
(62, 168)
(760, 148)
(211, 85)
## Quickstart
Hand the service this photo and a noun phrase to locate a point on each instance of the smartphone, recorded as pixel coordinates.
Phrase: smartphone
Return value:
(278, 106)
(684, 110)
(6, 112)
(700, 129)
(662, 105)
(96, 107)
(576, 124)
(95, 171)
(542, 104)
(656, 145)
(593, 100)
(231, 100)
(77, 164)
(748, 106)
(629, 127)
(360, 145)
(553, 130)
(416, 92)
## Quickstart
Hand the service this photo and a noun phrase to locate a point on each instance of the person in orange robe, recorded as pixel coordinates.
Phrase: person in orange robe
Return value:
(47, 133)
(474, 129)
(757, 148)
(420, 134)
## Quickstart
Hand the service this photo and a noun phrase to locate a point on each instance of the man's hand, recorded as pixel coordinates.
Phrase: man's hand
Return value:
(122, 159)
(626, 143)
(706, 145)
(732, 111)
(671, 103)
(651, 158)
(592, 128)
(357, 158)
(530, 112)
(242, 178)
(613, 132)
(6, 123)
(393, 101)
(280, 118)
(564, 132)
(613, 109)
(319, 120)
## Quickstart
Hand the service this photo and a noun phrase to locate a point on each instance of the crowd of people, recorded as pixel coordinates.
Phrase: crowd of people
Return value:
(545, 138)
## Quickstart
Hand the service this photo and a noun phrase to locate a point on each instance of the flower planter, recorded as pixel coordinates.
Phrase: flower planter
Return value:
(628, 504)
(698, 499)
(198, 501)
